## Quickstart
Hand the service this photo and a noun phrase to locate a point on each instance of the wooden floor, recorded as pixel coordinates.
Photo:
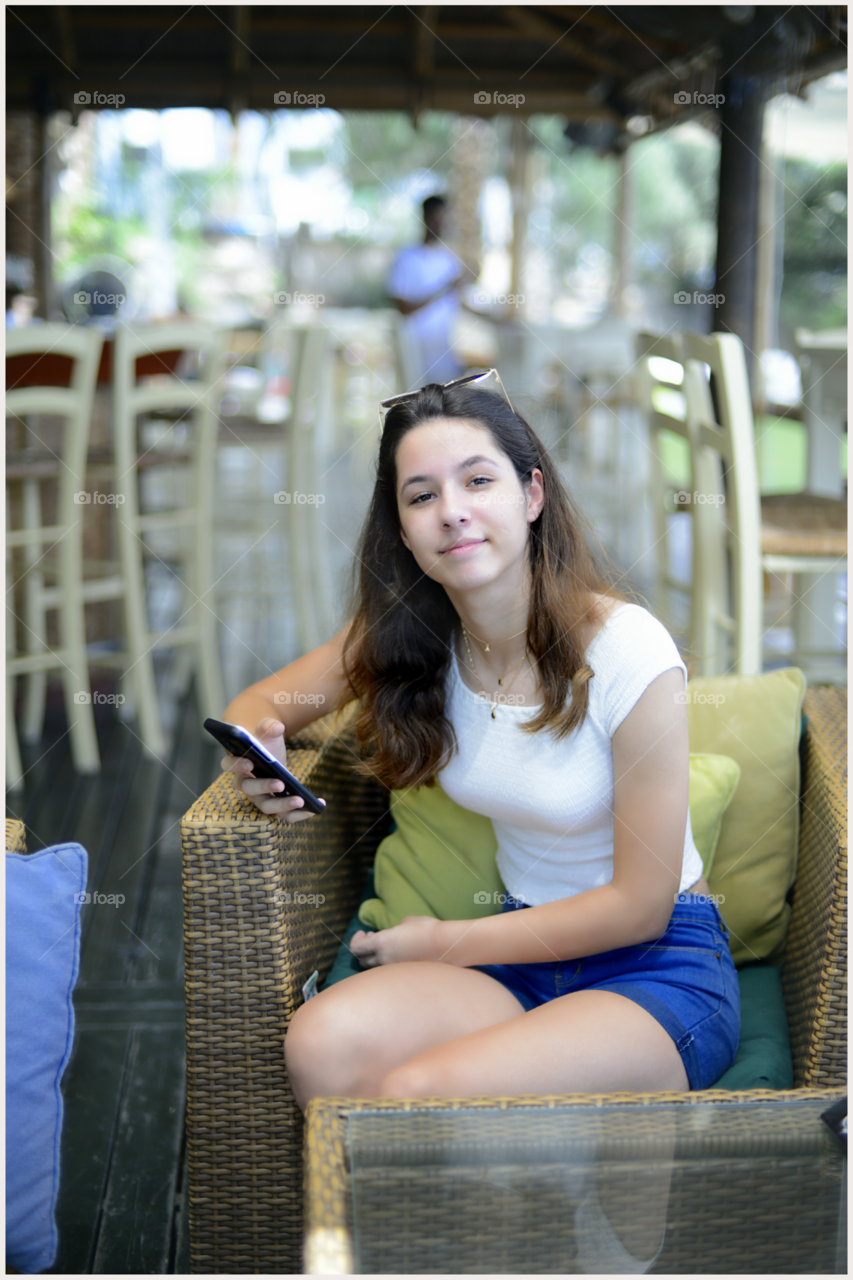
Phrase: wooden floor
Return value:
(122, 1204)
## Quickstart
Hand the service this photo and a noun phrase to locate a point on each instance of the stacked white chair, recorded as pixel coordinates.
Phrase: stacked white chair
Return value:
(310, 436)
(56, 585)
(756, 536)
(185, 399)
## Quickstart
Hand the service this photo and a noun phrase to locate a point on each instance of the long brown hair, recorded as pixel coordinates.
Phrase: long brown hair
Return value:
(398, 648)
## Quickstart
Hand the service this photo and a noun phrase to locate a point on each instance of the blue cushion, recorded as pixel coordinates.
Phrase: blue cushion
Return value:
(43, 897)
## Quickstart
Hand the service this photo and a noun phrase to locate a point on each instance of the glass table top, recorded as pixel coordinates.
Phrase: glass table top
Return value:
(666, 1188)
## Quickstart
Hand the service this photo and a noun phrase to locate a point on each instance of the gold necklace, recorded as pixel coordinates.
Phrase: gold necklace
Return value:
(501, 679)
(488, 650)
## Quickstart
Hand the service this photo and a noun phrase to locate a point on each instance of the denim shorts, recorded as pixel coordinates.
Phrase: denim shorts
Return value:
(685, 979)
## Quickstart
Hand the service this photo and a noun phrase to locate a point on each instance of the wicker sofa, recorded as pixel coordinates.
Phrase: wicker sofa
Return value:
(250, 946)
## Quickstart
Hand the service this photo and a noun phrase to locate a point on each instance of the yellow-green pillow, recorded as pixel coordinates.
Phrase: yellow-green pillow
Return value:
(713, 782)
(439, 862)
(441, 859)
(756, 720)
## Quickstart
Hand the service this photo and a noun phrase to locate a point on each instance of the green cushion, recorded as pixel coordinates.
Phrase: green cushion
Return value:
(756, 720)
(763, 1059)
(713, 782)
(441, 859)
(439, 862)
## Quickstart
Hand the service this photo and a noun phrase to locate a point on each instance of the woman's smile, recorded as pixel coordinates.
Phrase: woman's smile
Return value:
(462, 548)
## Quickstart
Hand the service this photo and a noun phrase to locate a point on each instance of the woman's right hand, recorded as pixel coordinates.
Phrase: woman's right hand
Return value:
(266, 792)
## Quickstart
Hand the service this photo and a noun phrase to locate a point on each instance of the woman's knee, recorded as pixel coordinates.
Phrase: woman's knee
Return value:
(319, 1026)
(326, 1045)
(416, 1079)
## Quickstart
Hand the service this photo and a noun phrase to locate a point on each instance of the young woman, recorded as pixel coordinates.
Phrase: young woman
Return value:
(491, 653)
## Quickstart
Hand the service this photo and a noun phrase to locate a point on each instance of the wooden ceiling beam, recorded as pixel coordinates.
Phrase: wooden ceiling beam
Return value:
(602, 21)
(539, 28)
(280, 20)
(240, 39)
(67, 45)
(425, 19)
(113, 76)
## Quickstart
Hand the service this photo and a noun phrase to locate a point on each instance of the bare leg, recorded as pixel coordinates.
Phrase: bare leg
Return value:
(586, 1042)
(347, 1039)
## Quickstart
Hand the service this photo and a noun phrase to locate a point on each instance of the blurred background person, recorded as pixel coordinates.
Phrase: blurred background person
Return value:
(424, 286)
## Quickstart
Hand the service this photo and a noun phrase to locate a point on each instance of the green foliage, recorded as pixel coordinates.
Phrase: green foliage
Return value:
(814, 284)
(384, 146)
(674, 212)
(83, 232)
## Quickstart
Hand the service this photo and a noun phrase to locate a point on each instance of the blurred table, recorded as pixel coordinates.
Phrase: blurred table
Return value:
(740, 1183)
(823, 361)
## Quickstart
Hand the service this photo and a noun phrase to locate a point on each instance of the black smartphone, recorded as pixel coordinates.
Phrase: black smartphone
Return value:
(239, 742)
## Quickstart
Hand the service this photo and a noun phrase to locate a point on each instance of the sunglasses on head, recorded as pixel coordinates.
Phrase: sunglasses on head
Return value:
(489, 381)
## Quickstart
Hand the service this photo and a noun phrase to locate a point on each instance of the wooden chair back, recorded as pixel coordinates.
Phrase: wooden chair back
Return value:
(72, 404)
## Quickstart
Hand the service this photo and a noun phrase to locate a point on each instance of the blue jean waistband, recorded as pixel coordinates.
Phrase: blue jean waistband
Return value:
(699, 903)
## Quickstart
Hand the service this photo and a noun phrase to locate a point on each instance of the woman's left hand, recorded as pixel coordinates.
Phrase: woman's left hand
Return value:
(415, 938)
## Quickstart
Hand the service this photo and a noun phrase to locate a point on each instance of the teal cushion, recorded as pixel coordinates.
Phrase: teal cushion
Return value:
(345, 962)
(763, 1059)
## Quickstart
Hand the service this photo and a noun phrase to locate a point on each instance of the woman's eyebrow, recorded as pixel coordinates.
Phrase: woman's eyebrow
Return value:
(469, 462)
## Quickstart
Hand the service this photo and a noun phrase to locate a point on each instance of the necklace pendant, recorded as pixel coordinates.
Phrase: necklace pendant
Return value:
(493, 713)
(488, 650)
(500, 679)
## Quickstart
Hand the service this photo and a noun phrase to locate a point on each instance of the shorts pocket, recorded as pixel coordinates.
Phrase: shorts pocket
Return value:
(699, 974)
(701, 935)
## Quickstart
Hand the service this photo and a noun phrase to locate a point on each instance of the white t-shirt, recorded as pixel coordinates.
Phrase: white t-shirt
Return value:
(417, 273)
(550, 802)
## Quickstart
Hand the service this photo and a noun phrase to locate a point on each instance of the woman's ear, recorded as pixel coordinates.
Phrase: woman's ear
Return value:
(535, 495)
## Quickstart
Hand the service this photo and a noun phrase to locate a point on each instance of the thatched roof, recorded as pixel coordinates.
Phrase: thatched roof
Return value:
(598, 64)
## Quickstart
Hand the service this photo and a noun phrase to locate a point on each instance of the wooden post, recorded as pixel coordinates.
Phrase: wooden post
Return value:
(622, 273)
(520, 187)
(741, 120)
(44, 194)
(770, 234)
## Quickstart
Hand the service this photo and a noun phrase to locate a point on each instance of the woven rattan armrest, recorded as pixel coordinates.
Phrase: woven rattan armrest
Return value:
(254, 929)
(814, 972)
(16, 836)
